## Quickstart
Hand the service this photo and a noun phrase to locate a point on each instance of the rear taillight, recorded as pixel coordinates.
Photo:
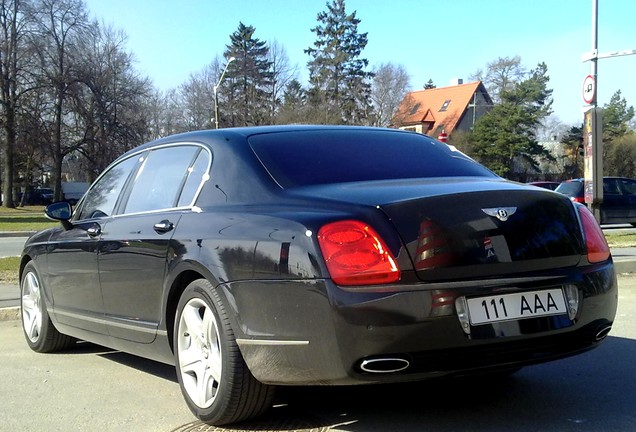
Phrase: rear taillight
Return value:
(356, 255)
(580, 200)
(597, 248)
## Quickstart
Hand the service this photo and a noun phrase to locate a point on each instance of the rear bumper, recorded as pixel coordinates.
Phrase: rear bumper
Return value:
(313, 332)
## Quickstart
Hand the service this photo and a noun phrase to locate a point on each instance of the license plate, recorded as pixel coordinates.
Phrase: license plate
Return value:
(516, 306)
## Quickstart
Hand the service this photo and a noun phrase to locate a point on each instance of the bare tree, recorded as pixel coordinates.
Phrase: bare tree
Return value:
(551, 129)
(500, 75)
(61, 24)
(390, 84)
(13, 28)
(282, 74)
(196, 95)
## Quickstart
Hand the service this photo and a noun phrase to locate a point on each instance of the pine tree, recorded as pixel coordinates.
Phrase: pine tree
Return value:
(248, 80)
(507, 134)
(616, 116)
(339, 85)
(294, 104)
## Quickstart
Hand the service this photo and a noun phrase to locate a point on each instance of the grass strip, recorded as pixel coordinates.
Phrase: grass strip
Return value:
(9, 270)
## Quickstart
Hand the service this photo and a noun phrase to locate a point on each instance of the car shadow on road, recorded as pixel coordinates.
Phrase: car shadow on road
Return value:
(158, 369)
(589, 392)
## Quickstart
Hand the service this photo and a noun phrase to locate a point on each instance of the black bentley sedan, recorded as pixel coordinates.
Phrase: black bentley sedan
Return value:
(252, 258)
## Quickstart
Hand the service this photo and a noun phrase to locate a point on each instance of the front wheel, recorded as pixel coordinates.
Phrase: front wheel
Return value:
(41, 335)
(214, 379)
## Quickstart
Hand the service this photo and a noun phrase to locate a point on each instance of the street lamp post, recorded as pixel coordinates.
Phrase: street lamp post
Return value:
(216, 91)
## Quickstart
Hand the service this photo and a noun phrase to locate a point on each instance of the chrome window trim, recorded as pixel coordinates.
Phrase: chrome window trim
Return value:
(206, 177)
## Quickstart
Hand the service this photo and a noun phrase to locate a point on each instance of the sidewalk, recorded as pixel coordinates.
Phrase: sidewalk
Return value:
(9, 302)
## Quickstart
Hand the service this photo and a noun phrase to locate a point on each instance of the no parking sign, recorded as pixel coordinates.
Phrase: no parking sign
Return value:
(589, 89)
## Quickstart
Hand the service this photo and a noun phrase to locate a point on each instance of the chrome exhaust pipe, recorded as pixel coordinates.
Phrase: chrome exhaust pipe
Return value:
(603, 332)
(384, 365)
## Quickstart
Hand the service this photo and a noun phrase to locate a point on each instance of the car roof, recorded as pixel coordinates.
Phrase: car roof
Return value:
(239, 135)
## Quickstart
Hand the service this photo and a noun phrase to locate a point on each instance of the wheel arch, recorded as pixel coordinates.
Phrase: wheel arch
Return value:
(23, 262)
(178, 279)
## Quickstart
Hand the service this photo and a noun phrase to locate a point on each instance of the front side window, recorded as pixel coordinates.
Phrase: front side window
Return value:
(102, 197)
(160, 179)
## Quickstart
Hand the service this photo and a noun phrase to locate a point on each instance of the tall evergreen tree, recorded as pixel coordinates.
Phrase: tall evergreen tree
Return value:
(294, 104)
(248, 81)
(616, 117)
(507, 134)
(339, 85)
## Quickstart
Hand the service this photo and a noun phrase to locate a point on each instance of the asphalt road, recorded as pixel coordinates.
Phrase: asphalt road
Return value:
(91, 388)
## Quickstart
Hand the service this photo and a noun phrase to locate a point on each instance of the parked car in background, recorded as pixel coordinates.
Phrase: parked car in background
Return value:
(545, 184)
(73, 191)
(619, 198)
(38, 196)
(252, 258)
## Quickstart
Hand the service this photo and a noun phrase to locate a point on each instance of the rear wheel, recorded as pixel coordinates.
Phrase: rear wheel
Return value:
(214, 379)
(41, 335)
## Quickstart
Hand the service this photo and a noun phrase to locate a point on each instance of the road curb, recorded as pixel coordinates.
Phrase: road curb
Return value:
(17, 233)
(627, 266)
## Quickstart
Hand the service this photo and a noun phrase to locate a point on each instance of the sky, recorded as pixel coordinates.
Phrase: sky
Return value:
(442, 40)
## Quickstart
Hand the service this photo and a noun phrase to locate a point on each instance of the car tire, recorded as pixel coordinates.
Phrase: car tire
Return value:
(214, 379)
(39, 331)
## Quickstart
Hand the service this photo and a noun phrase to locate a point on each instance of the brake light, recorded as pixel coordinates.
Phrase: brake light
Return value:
(356, 255)
(597, 248)
(577, 199)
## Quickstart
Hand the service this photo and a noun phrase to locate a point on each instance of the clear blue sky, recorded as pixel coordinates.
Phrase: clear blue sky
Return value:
(441, 40)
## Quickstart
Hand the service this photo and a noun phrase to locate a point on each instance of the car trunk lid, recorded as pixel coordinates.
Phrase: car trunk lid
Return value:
(473, 228)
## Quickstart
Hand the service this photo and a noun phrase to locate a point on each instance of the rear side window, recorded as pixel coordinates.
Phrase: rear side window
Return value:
(321, 157)
(571, 188)
(160, 179)
(195, 176)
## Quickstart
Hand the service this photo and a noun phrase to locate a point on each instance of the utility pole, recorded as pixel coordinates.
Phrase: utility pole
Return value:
(592, 124)
(216, 93)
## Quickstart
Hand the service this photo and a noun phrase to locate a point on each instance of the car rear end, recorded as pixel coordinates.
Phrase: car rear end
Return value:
(429, 276)
(488, 279)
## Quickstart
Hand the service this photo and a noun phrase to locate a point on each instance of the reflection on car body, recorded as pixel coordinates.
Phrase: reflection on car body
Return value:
(302, 255)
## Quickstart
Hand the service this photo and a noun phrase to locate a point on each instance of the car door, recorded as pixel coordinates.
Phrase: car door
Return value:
(72, 254)
(135, 245)
(613, 208)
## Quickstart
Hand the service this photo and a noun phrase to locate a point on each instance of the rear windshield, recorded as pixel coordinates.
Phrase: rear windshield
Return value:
(572, 188)
(304, 158)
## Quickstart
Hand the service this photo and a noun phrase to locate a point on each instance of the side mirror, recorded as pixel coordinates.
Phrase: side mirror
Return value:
(60, 211)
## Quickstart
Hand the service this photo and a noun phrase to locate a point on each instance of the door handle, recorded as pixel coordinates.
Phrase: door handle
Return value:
(163, 227)
(94, 230)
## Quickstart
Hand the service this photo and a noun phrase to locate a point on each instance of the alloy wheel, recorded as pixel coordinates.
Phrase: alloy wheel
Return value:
(31, 307)
(199, 352)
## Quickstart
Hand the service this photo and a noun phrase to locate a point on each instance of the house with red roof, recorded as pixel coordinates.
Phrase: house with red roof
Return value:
(439, 110)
